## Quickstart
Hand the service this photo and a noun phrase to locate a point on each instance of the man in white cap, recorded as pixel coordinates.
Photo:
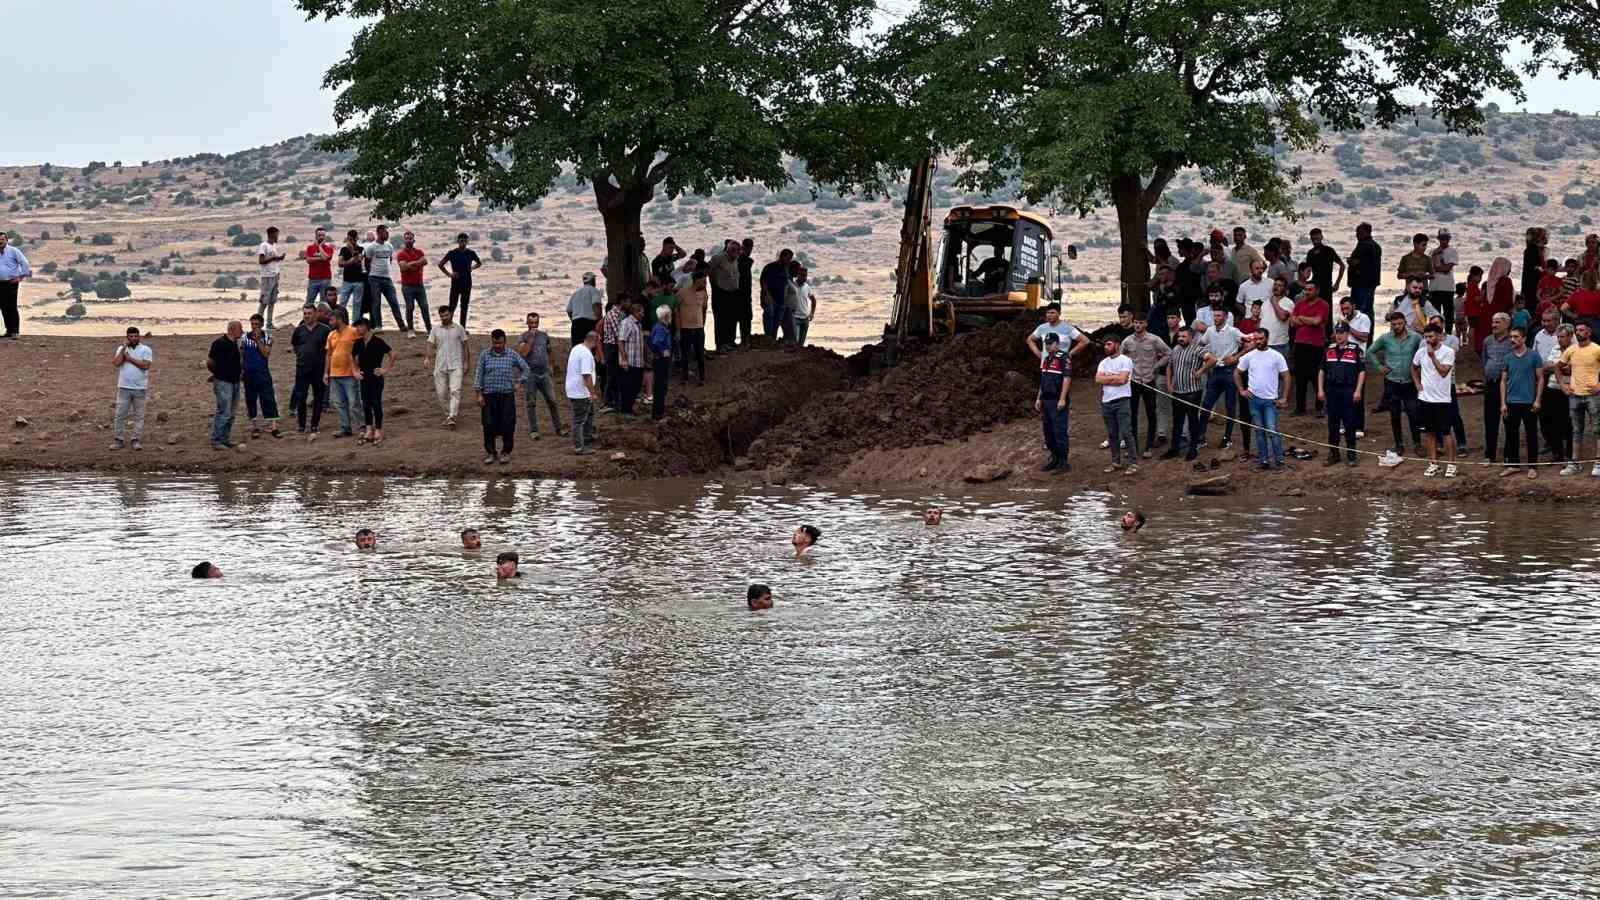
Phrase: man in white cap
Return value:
(584, 308)
(1442, 286)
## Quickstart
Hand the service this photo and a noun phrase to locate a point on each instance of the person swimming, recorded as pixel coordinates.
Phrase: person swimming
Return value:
(505, 566)
(470, 540)
(1132, 520)
(205, 570)
(759, 596)
(805, 537)
(932, 515)
(366, 539)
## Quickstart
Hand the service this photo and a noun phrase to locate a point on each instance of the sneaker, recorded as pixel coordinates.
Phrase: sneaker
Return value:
(1595, 471)
(505, 459)
(116, 445)
(584, 451)
(450, 423)
(1570, 469)
(218, 446)
(1532, 472)
(1111, 468)
(1450, 471)
(1507, 472)
(343, 434)
(1049, 466)
(1431, 471)
(1133, 468)
(136, 445)
(1105, 444)
(1332, 460)
(1148, 454)
(1277, 465)
(491, 459)
(533, 435)
(1351, 461)
(1227, 444)
(1390, 459)
(1360, 435)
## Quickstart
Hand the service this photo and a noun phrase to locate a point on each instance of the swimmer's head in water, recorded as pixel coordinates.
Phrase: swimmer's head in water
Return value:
(1132, 520)
(759, 596)
(505, 565)
(806, 535)
(205, 570)
(470, 540)
(932, 515)
(366, 539)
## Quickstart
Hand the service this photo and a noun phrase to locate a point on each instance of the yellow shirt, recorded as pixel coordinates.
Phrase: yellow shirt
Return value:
(1585, 363)
(341, 358)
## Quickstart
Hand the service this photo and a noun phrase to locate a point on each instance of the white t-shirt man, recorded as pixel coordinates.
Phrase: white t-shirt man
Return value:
(1544, 342)
(1277, 329)
(1067, 333)
(378, 254)
(1251, 291)
(1221, 342)
(270, 251)
(1360, 321)
(449, 347)
(1435, 387)
(1203, 319)
(1262, 368)
(1445, 281)
(580, 362)
(1116, 365)
(130, 376)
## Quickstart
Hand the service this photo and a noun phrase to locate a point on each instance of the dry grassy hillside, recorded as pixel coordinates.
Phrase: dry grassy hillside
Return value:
(179, 234)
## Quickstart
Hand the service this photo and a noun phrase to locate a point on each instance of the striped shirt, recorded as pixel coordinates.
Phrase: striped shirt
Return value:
(498, 373)
(631, 342)
(1184, 362)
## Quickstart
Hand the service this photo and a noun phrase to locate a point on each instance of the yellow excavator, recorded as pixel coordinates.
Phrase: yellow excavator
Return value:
(991, 263)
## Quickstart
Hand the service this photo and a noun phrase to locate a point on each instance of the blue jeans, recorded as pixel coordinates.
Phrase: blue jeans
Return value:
(1361, 298)
(346, 398)
(350, 298)
(314, 289)
(1220, 384)
(227, 396)
(416, 296)
(801, 326)
(1269, 444)
(380, 286)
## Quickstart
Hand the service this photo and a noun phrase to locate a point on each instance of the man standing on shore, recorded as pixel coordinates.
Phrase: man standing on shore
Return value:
(319, 265)
(1339, 384)
(1055, 380)
(630, 357)
(1185, 374)
(458, 265)
(1391, 354)
(447, 352)
(1366, 269)
(495, 382)
(725, 294)
(13, 269)
(268, 257)
(1580, 371)
(1069, 335)
(1222, 345)
(661, 361)
(1496, 347)
(1308, 321)
(226, 366)
(583, 308)
(1115, 377)
(535, 350)
(692, 324)
(581, 392)
(1323, 258)
(380, 279)
(746, 287)
(661, 267)
(413, 265)
(1262, 378)
(1521, 389)
(1433, 373)
(340, 372)
(256, 351)
(1442, 285)
(1147, 352)
(310, 345)
(774, 288)
(132, 360)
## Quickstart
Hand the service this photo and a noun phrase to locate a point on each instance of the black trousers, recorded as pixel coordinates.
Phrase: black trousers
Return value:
(580, 330)
(308, 385)
(1446, 301)
(611, 384)
(499, 420)
(8, 307)
(1491, 418)
(1186, 414)
(1146, 395)
(461, 293)
(1555, 420)
(632, 384)
(746, 315)
(1401, 397)
(724, 316)
(663, 374)
(372, 401)
(1307, 362)
(1519, 416)
(1343, 407)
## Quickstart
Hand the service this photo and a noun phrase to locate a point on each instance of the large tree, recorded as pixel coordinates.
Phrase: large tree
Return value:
(634, 96)
(1085, 103)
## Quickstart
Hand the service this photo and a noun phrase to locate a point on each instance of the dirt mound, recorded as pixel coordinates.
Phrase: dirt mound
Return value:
(936, 393)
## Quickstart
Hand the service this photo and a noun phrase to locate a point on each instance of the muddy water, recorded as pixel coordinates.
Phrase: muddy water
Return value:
(1360, 701)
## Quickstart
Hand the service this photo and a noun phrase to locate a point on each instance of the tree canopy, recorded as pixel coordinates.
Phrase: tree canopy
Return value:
(633, 96)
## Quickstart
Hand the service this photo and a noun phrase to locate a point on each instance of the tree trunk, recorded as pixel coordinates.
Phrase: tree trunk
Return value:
(626, 267)
(1133, 216)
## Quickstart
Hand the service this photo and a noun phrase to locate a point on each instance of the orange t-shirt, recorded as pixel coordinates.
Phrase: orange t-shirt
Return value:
(341, 353)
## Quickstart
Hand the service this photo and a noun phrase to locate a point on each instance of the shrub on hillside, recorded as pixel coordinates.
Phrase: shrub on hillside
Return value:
(111, 289)
(802, 225)
(1535, 198)
(854, 231)
(831, 202)
(224, 282)
(234, 230)
(499, 234)
(103, 239)
(248, 239)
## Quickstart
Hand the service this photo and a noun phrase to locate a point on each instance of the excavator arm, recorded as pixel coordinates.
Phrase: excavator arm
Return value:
(913, 314)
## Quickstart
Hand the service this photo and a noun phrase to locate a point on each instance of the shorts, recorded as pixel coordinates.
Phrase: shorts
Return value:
(1437, 419)
(1585, 413)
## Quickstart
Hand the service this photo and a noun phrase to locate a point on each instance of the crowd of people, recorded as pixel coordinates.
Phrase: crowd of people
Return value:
(1250, 330)
(623, 347)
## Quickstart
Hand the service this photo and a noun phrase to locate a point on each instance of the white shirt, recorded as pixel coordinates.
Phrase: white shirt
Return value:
(131, 376)
(1445, 281)
(581, 304)
(1543, 342)
(798, 298)
(1551, 353)
(580, 362)
(1251, 291)
(378, 254)
(1112, 365)
(1360, 321)
(1221, 342)
(1203, 319)
(1067, 333)
(1404, 304)
(270, 268)
(1262, 368)
(1435, 387)
(449, 347)
(1277, 329)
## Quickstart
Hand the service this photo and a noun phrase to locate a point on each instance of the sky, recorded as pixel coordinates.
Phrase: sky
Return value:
(155, 79)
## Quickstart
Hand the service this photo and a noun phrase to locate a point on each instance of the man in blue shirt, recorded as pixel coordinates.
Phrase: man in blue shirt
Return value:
(458, 265)
(13, 268)
(499, 372)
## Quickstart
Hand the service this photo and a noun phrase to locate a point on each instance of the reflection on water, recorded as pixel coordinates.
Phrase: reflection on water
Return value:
(1292, 702)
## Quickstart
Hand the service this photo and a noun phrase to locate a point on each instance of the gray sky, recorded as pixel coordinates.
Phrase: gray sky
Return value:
(153, 79)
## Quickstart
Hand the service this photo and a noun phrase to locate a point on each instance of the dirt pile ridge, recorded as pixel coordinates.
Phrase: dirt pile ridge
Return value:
(938, 392)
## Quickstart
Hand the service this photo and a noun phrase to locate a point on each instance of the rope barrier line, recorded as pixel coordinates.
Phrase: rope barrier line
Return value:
(1283, 434)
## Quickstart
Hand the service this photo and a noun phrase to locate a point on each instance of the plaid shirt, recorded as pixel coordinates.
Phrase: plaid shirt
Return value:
(1184, 363)
(498, 373)
(631, 341)
(613, 324)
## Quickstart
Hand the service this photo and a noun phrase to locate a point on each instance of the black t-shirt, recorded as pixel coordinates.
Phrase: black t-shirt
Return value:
(661, 267)
(350, 268)
(1322, 258)
(225, 362)
(1367, 263)
(773, 276)
(461, 263)
(369, 355)
(745, 265)
(310, 346)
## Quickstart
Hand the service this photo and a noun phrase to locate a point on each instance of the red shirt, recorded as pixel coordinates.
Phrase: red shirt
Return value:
(1247, 326)
(1311, 334)
(320, 269)
(407, 255)
(1585, 304)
